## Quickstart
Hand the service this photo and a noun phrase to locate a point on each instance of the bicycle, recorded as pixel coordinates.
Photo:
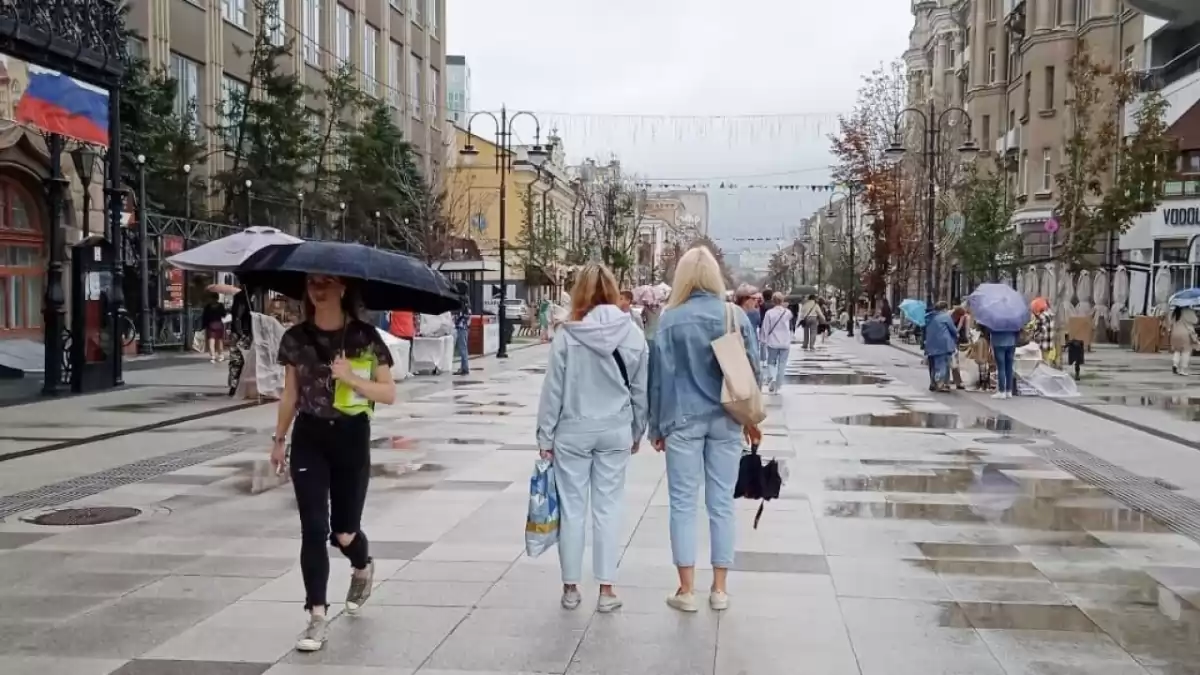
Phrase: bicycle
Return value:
(128, 329)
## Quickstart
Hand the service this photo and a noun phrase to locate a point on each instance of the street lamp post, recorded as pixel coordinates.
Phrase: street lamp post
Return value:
(249, 203)
(84, 158)
(537, 156)
(931, 133)
(378, 231)
(851, 194)
(146, 333)
(187, 241)
(342, 208)
(300, 226)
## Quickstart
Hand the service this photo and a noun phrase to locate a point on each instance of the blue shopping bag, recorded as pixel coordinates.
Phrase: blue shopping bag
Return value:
(541, 525)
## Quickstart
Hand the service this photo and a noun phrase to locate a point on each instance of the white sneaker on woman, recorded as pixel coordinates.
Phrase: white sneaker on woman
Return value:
(718, 600)
(684, 602)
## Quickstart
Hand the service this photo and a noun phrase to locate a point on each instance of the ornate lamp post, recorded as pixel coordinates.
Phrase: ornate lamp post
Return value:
(249, 203)
(300, 210)
(931, 151)
(537, 156)
(342, 208)
(145, 344)
(378, 231)
(84, 157)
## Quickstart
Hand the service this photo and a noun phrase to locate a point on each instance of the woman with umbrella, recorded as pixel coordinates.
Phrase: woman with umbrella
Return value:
(1004, 313)
(1183, 329)
(337, 370)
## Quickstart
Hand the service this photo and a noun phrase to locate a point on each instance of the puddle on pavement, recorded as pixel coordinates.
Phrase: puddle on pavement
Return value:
(156, 404)
(915, 419)
(492, 413)
(396, 443)
(1186, 408)
(844, 379)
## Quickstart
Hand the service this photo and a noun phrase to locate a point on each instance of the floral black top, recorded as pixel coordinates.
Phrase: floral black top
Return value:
(462, 317)
(311, 350)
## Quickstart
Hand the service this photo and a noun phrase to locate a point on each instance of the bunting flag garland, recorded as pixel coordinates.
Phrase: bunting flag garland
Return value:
(732, 186)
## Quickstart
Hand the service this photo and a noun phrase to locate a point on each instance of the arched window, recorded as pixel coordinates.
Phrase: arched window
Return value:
(21, 266)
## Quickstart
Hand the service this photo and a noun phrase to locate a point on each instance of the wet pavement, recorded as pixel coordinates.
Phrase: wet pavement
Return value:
(912, 537)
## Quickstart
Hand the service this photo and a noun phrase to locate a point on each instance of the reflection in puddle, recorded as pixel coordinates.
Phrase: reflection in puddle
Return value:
(914, 419)
(1014, 569)
(174, 398)
(396, 443)
(483, 412)
(1186, 408)
(835, 379)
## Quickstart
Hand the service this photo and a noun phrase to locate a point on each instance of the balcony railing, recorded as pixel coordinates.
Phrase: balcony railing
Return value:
(1174, 70)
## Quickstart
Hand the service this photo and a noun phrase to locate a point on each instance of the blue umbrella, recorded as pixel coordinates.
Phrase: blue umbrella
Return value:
(999, 307)
(1187, 298)
(385, 280)
(913, 310)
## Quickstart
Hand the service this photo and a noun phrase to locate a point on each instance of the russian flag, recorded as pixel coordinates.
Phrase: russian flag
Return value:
(63, 105)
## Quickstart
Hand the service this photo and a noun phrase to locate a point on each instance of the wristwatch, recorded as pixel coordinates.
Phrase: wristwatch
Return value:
(276, 438)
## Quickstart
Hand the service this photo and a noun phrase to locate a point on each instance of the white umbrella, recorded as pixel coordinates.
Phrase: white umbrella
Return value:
(1099, 296)
(226, 253)
(1031, 283)
(1162, 286)
(1083, 294)
(1120, 295)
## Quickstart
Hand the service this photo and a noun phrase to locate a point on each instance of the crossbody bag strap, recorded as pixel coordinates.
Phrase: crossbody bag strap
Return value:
(621, 367)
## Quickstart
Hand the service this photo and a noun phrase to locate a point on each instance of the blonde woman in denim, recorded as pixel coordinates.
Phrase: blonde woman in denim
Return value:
(591, 417)
(703, 443)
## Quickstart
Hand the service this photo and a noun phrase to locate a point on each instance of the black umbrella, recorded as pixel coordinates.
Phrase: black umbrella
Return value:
(385, 280)
(757, 480)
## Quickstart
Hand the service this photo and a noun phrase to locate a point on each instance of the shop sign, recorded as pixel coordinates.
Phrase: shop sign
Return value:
(1181, 216)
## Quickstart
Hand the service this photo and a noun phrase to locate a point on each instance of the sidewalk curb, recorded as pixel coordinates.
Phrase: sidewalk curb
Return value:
(1108, 417)
(109, 435)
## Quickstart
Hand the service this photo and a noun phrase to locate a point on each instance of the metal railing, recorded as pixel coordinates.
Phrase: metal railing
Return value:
(1176, 69)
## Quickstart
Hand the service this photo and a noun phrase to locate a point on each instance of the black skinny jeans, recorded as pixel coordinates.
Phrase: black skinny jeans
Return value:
(330, 467)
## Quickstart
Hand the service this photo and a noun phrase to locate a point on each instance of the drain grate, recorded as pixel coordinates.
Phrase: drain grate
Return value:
(86, 516)
(56, 494)
(1147, 495)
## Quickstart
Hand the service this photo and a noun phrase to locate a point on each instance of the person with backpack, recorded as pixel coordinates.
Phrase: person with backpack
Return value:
(778, 340)
(336, 369)
(688, 421)
(591, 418)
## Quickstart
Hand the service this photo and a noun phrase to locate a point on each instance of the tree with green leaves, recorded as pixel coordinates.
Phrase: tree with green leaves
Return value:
(151, 126)
(267, 131)
(987, 239)
(377, 174)
(539, 244)
(335, 136)
(1107, 179)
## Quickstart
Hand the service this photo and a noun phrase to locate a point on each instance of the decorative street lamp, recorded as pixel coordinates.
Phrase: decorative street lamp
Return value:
(378, 231)
(342, 207)
(84, 157)
(931, 133)
(145, 345)
(536, 156)
(249, 203)
(300, 226)
(187, 242)
(854, 189)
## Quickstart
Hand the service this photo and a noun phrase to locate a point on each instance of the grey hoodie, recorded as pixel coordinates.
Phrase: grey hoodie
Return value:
(584, 391)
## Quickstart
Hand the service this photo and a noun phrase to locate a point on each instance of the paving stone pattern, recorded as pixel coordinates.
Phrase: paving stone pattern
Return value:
(909, 539)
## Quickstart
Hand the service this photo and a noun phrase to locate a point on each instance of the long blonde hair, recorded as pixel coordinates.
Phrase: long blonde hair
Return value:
(595, 285)
(697, 270)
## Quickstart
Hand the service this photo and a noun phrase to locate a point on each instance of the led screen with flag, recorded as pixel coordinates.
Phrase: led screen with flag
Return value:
(58, 104)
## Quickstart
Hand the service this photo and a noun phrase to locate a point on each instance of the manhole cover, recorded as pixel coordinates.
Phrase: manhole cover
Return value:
(93, 516)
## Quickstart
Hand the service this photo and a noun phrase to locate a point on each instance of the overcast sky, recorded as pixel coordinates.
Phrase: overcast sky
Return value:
(687, 91)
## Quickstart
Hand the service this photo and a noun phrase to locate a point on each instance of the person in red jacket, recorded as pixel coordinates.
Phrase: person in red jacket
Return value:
(402, 325)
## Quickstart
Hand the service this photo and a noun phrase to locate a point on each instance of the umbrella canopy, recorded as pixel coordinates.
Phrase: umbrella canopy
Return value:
(913, 310)
(385, 280)
(998, 307)
(1186, 298)
(227, 253)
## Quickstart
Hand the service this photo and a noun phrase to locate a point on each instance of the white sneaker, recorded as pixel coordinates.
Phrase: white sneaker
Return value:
(999, 396)
(718, 600)
(314, 635)
(571, 598)
(684, 602)
(1008, 395)
(608, 603)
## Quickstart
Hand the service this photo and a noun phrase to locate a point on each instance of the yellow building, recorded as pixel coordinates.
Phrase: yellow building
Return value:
(473, 203)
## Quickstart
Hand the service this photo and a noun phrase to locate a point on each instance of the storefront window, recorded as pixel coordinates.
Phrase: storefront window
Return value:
(21, 268)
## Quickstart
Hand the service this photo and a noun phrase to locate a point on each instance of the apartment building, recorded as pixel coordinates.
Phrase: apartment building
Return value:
(396, 49)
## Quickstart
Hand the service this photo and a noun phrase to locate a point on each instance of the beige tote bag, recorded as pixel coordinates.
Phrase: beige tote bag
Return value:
(740, 393)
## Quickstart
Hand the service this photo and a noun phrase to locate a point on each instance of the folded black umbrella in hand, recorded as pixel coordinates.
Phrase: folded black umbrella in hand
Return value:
(757, 480)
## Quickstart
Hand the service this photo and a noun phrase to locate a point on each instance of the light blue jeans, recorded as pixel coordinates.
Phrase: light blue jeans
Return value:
(777, 357)
(591, 465)
(707, 448)
(460, 348)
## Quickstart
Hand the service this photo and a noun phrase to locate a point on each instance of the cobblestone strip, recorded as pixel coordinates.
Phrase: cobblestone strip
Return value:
(1180, 513)
(57, 494)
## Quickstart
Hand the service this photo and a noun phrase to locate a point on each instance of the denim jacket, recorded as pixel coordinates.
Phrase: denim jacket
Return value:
(685, 378)
(584, 391)
(941, 337)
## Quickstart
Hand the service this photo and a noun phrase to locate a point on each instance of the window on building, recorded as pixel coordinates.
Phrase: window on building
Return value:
(1023, 174)
(991, 10)
(137, 48)
(431, 15)
(234, 11)
(395, 70)
(1048, 103)
(991, 66)
(312, 32)
(371, 59)
(186, 74)
(396, 5)
(412, 9)
(1127, 62)
(951, 55)
(276, 19)
(985, 128)
(233, 97)
(1012, 119)
(434, 103)
(343, 33)
(1028, 94)
(1047, 171)
(21, 267)
(415, 64)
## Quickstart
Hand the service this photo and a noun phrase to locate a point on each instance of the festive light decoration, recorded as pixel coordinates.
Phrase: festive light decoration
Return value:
(732, 186)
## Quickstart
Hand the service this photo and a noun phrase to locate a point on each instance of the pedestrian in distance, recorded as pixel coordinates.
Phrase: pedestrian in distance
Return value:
(626, 305)
(591, 418)
(336, 369)
(778, 341)
(1183, 339)
(213, 320)
(462, 330)
(810, 317)
(688, 422)
(748, 298)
